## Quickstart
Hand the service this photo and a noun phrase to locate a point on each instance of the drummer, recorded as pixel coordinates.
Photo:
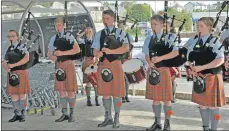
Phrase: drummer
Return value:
(88, 59)
(121, 25)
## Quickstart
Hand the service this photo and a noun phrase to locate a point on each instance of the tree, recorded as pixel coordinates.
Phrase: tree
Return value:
(140, 12)
(47, 4)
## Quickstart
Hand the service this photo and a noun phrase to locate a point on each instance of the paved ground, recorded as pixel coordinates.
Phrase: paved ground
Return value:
(136, 115)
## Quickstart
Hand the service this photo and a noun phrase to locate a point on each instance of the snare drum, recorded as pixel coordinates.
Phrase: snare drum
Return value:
(92, 78)
(134, 70)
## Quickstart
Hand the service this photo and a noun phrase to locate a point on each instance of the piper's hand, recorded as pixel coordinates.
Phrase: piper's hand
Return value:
(8, 70)
(193, 73)
(11, 66)
(156, 59)
(54, 58)
(197, 68)
(58, 53)
(151, 65)
(106, 50)
(95, 59)
(99, 54)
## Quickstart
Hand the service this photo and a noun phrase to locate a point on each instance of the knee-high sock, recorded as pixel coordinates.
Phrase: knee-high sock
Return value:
(215, 117)
(96, 91)
(117, 104)
(72, 102)
(205, 117)
(88, 91)
(127, 87)
(23, 104)
(168, 112)
(64, 102)
(157, 112)
(107, 105)
(16, 106)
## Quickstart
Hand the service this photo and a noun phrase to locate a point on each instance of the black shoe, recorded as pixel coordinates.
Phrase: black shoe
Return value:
(106, 122)
(89, 101)
(154, 127)
(71, 116)
(22, 117)
(174, 101)
(97, 101)
(123, 100)
(127, 99)
(62, 118)
(206, 128)
(166, 125)
(15, 117)
(116, 121)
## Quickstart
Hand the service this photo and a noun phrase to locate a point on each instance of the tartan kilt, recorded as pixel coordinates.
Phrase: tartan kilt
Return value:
(214, 95)
(24, 85)
(70, 83)
(163, 90)
(116, 87)
(87, 61)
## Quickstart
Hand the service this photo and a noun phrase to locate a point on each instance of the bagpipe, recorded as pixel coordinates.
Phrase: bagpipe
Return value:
(63, 43)
(204, 54)
(160, 48)
(15, 54)
(111, 42)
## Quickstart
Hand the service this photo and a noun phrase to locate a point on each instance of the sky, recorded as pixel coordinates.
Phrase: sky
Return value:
(160, 4)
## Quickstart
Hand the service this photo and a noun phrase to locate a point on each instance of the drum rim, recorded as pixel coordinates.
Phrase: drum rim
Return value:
(136, 69)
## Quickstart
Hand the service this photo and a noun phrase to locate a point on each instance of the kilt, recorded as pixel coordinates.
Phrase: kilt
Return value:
(214, 95)
(87, 61)
(116, 87)
(24, 85)
(163, 90)
(70, 83)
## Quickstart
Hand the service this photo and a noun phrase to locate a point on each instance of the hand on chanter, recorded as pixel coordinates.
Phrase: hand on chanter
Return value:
(99, 54)
(156, 59)
(106, 50)
(58, 53)
(197, 68)
(151, 65)
(10, 66)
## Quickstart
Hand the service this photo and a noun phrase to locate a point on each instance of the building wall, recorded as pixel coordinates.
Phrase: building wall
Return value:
(189, 7)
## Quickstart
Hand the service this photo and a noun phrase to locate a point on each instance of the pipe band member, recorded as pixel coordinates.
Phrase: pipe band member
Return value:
(110, 77)
(129, 56)
(88, 60)
(18, 92)
(163, 90)
(65, 66)
(225, 38)
(213, 97)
